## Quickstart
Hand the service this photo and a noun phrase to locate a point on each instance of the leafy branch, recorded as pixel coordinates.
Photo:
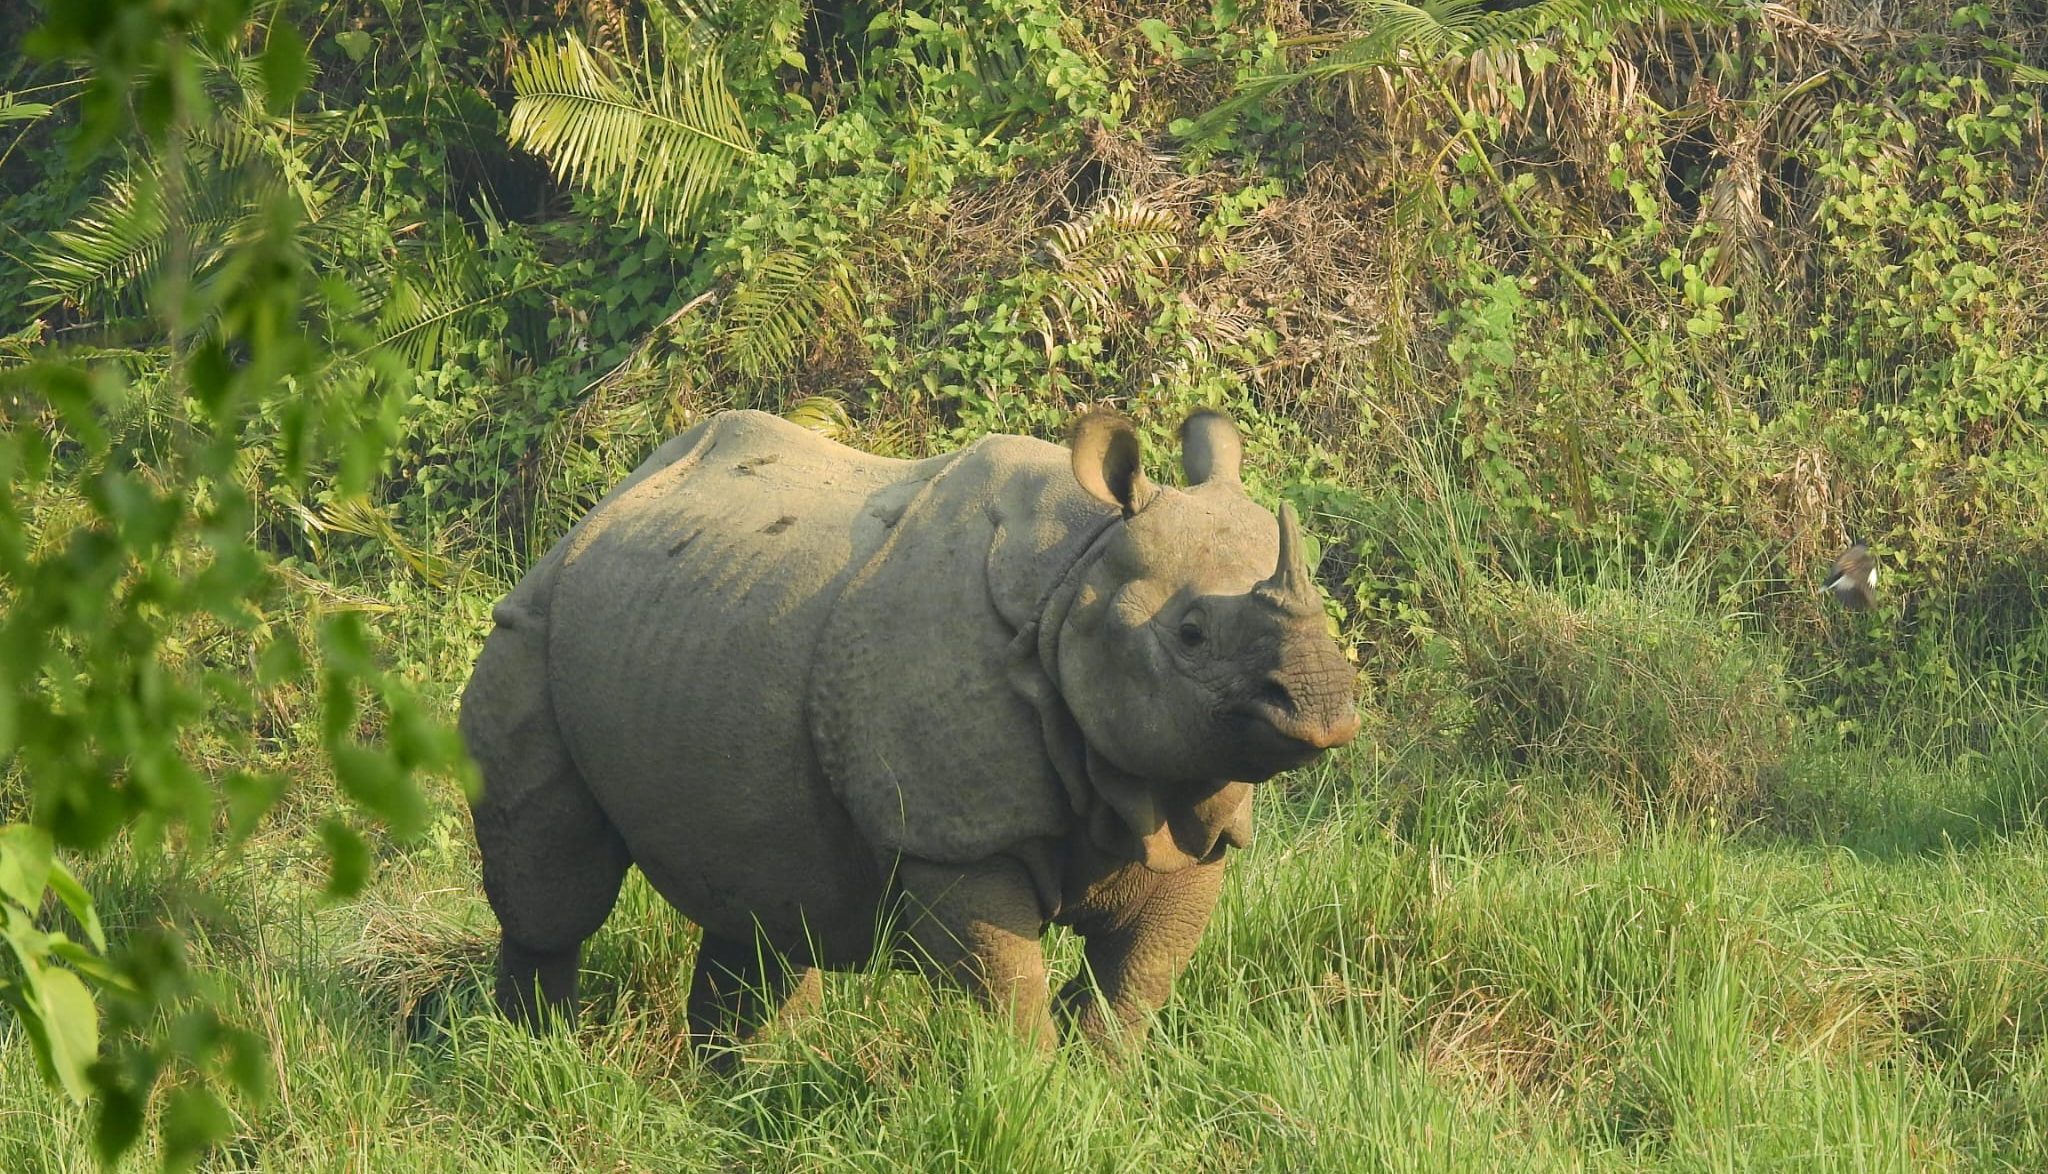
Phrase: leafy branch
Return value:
(112, 552)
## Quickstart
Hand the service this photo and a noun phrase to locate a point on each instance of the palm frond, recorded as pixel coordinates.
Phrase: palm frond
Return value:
(118, 242)
(113, 243)
(21, 346)
(107, 255)
(357, 516)
(1400, 34)
(417, 314)
(244, 133)
(327, 596)
(428, 299)
(656, 139)
(1103, 252)
(1426, 31)
(2030, 75)
(420, 302)
(13, 109)
(775, 307)
(680, 29)
(822, 414)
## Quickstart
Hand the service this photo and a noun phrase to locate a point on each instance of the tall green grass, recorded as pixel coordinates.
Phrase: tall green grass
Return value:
(1427, 965)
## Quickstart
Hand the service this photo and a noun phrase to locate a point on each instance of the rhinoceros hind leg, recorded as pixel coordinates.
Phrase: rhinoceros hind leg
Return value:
(535, 987)
(552, 870)
(739, 987)
(552, 862)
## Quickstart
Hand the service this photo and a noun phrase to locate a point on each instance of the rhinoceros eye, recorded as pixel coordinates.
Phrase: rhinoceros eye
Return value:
(1191, 633)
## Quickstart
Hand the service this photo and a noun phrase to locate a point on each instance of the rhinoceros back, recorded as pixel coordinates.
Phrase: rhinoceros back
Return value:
(686, 615)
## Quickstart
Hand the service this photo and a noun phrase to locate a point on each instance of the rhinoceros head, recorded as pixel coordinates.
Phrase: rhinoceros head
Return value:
(1196, 645)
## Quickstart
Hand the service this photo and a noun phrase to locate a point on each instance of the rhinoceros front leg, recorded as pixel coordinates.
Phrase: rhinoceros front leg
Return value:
(1140, 930)
(980, 924)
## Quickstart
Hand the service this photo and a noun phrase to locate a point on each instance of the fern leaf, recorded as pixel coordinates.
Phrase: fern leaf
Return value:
(656, 140)
(1104, 252)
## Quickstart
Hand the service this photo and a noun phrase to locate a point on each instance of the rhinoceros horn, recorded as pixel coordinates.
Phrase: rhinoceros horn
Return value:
(1290, 586)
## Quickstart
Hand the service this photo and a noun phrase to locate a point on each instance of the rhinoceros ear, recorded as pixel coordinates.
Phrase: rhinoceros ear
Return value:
(1106, 461)
(1210, 447)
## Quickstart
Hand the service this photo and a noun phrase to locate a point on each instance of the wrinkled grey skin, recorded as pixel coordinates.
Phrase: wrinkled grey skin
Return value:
(813, 693)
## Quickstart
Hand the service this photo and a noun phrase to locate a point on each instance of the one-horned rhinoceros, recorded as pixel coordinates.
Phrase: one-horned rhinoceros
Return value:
(832, 703)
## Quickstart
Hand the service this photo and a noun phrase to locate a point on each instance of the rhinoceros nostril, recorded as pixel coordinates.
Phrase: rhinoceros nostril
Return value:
(1277, 695)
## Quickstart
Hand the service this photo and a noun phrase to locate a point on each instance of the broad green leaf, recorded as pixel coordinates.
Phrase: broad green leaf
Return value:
(30, 945)
(349, 858)
(72, 1027)
(194, 1121)
(118, 1121)
(354, 42)
(284, 67)
(247, 1062)
(7, 711)
(250, 795)
(79, 902)
(22, 998)
(25, 860)
(374, 779)
(91, 965)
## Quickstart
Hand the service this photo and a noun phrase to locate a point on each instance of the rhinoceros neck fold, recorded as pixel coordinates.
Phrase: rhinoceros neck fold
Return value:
(1034, 653)
(1166, 826)
(1061, 586)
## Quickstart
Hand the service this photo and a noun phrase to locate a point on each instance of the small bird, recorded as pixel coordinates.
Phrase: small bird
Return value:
(1853, 578)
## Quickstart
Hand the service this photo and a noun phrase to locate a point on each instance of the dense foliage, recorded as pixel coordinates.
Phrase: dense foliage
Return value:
(339, 311)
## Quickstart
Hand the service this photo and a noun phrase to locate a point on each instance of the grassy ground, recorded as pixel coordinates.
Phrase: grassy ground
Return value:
(1432, 969)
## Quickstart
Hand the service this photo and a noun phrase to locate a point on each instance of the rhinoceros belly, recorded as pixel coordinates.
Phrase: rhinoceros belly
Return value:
(681, 635)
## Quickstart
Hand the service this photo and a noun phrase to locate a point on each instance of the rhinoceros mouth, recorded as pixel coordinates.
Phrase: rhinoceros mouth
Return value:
(1278, 738)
